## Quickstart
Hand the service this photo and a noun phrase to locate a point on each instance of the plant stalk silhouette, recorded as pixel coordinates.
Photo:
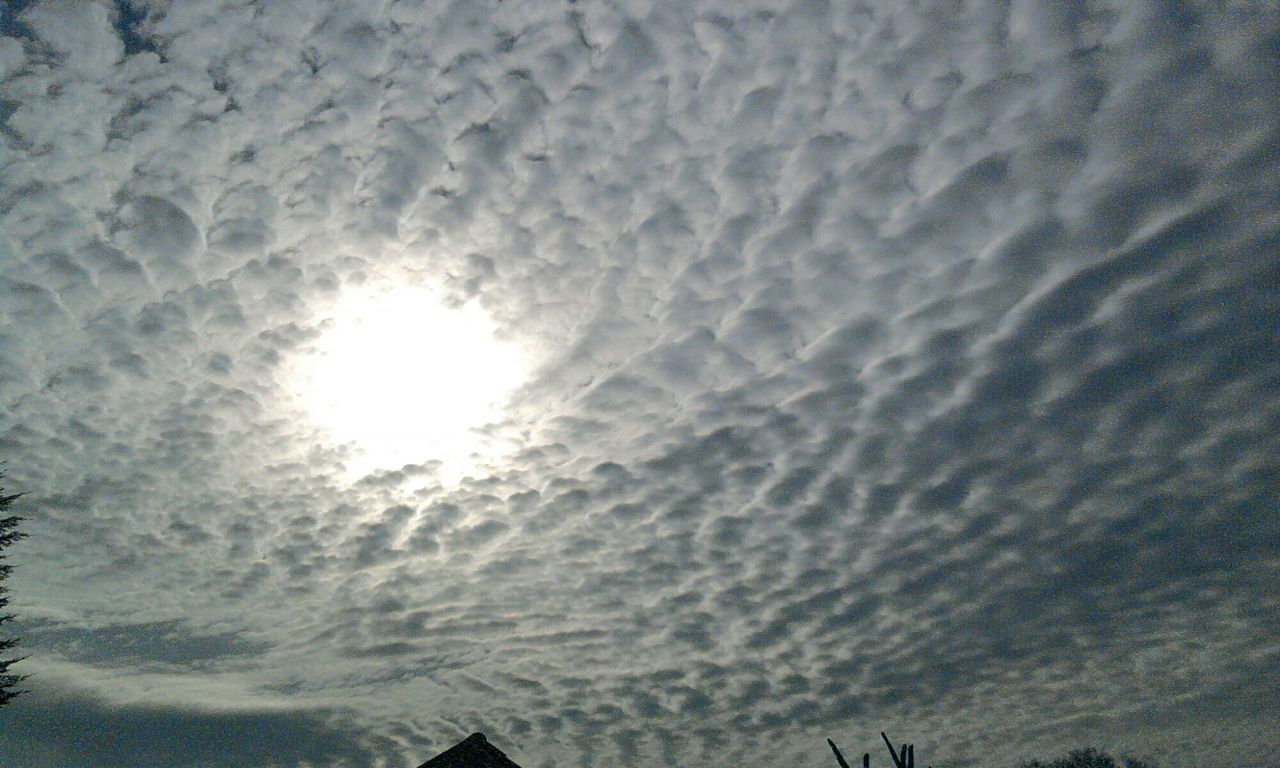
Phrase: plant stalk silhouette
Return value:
(905, 757)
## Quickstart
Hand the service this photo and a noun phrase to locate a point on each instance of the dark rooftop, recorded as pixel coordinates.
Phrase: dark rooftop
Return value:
(475, 751)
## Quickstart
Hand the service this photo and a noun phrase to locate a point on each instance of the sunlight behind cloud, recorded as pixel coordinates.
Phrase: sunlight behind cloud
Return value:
(900, 362)
(406, 379)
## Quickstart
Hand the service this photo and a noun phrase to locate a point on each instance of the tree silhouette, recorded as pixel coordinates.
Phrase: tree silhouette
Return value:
(905, 757)
(9, 534)
(1089, 758)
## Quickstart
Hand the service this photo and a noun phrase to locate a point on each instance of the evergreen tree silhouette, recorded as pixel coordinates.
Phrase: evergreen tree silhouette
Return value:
(1089, 757)
(9, 534)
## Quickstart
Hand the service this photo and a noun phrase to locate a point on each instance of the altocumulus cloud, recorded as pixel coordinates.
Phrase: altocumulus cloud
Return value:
(904, 367)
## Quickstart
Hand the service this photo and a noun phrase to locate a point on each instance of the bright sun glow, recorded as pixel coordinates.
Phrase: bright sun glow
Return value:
(406, 379)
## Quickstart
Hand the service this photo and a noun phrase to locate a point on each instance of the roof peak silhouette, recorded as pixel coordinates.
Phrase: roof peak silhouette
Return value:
(475, 751)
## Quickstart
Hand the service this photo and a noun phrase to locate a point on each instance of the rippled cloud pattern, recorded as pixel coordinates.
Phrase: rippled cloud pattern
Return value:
(896, 366)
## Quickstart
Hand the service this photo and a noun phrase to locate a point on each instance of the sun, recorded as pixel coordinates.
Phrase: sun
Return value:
(403, 378)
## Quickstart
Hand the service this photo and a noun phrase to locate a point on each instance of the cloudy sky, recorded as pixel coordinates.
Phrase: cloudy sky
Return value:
(641, 382)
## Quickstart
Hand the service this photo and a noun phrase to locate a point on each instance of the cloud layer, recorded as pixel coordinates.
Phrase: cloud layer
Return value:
(906, 368)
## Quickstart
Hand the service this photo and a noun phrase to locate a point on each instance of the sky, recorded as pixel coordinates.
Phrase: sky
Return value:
(641, 382)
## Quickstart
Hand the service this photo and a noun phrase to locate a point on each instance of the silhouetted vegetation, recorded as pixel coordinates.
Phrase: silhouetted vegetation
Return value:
(1089, 758)
(9, 534)
(905, 757)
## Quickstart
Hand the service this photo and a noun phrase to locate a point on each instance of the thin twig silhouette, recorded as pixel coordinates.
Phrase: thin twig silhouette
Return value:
(903, 757)
(866, 758)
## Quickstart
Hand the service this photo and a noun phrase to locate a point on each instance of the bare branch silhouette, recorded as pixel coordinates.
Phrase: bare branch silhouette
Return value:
(839, 757)
(898, 762)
